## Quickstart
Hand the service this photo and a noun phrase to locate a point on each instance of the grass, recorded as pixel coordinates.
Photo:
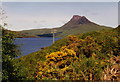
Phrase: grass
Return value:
(76, 29)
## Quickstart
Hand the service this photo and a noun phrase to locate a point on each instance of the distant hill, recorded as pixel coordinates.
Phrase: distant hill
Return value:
(77, 24)
(21, 35)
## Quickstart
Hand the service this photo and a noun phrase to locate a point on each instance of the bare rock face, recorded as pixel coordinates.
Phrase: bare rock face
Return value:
(75, 17)
(77, 20)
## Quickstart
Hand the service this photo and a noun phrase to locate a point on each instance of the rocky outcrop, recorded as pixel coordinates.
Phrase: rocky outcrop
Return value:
(75, 21)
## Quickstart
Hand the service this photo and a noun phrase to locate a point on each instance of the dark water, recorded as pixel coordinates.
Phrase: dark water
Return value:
(29, 45)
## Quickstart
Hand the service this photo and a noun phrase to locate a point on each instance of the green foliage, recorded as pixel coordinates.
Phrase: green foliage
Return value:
(9, 52)
(75, 57)
(87, 63)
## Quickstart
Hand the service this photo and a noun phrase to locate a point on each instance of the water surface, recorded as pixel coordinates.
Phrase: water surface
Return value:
(29, 45)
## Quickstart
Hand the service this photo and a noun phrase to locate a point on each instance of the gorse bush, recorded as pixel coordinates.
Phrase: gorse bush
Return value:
(76, 57)
(55, 62)
(81, 59)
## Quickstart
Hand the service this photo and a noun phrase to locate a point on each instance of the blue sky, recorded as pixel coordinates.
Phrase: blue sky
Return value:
(37, 15)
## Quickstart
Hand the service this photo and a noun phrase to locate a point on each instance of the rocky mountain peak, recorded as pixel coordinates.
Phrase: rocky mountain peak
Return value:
(76, 20)
(79, 19)
(76, 17)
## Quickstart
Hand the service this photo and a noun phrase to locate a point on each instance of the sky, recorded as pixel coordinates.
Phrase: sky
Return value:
(37, 15)
(60, 0)
(119, 13)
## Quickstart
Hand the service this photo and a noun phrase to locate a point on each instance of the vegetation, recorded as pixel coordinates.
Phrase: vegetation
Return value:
(61, 32)
(21, 35)
(9, 52)
(89, 56)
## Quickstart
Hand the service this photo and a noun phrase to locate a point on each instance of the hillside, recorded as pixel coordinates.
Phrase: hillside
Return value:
(86, 56)
(23, 35)
(20, 35)
(77, 24)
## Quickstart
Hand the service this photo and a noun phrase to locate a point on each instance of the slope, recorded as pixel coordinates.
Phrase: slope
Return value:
(77, 24)
(105, 40)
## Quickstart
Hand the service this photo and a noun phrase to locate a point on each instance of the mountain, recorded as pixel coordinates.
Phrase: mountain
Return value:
(76, 20)
(77, 24)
